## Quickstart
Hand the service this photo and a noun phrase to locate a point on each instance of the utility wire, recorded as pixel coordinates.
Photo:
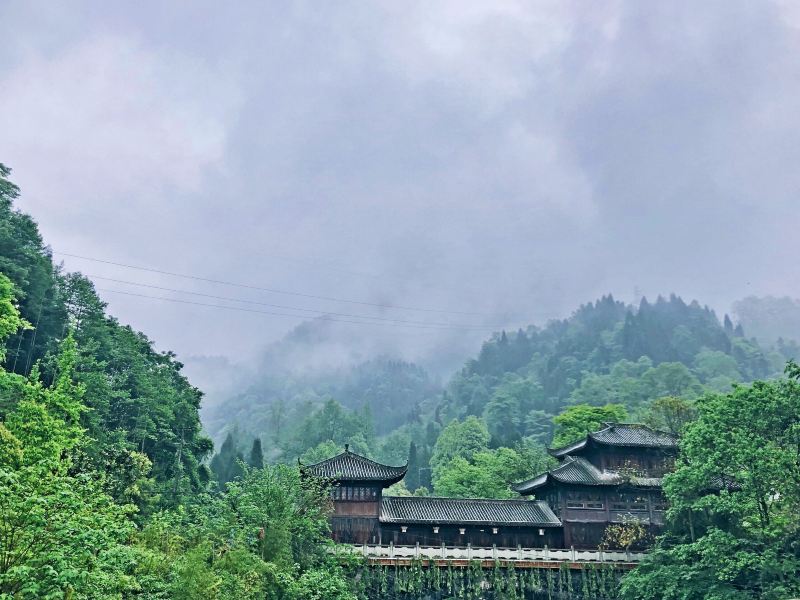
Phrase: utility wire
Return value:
(265, 289)
(282, 306)
(278, 314)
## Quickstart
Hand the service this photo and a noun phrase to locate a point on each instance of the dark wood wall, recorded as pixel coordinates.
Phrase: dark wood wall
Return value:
(589, 535)
(355, 530)
(479, 536)
(651, 462)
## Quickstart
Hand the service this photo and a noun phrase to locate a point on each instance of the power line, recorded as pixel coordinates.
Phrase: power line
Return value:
(278, 314)
(283, 306)
(265, 289)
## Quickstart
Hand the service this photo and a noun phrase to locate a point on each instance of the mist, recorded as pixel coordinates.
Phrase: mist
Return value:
(481, 165)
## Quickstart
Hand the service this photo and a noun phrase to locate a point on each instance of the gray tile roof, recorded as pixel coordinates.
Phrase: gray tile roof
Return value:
(575, 470)
(579, 471)
(622, 434)
(466, 510)
(349, 466)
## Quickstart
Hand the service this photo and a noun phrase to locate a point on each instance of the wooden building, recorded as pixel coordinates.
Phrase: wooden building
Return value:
(611, 476)
(357, 485)
(480, 522)
(363, 515)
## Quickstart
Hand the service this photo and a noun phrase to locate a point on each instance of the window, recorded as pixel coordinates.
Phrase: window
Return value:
(354, 493)
(589, 500)
(629, 502)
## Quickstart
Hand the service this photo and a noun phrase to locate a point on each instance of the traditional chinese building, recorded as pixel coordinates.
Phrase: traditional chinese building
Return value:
(363, 515)
(611, 476)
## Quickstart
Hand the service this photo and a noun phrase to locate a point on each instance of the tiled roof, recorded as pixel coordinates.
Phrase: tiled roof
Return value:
(466, 510)
(622, 434)
(574, 470)
(579, 471)
(349, 466)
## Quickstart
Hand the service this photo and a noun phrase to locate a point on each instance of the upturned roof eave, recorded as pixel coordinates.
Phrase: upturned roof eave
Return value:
(565, 450)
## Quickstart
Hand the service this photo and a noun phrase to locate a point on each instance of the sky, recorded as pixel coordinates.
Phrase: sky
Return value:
(429, 171)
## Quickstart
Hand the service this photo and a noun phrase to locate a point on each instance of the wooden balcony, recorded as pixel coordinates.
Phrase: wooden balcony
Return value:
(520, 557)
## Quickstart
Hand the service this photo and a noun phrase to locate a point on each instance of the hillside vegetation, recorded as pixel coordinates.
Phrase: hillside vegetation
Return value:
(105, 492)
(110, 489)
(607, 361)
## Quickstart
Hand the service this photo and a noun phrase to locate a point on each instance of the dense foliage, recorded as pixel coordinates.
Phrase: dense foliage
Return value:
(734, 501)
(475, 581)
(140, 406)
(103, 490)
(108, 487)
(605, 353)
(608, 361)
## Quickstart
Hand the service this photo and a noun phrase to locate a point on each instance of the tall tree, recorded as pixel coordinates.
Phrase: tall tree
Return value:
(576, 421)
(458, 439)
(256, 457)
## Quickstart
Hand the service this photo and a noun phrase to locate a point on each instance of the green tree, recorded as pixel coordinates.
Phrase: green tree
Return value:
(267, 536)
(734, 501)
(330, 422)
(458, 439)
(320, 452)
(62, 535)
(670, 414)
(576, 421)
(256, 457)
(226, 464)
(26, 261)
(490, 473)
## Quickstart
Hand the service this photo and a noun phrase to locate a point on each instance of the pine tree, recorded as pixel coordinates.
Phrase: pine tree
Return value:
(728, 324)
(225, 464)
(256, 458)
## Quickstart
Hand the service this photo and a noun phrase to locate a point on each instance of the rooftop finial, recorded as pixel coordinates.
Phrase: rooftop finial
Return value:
(347, 447)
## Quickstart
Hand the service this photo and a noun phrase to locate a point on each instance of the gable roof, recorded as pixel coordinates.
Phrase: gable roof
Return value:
(349, 466)
(579, 471)
(469, 511)
(634, 435)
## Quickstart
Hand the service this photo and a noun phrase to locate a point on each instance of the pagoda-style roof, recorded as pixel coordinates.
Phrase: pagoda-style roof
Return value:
(349, 466)
(633, 435)
(577, 470)
(469, 511)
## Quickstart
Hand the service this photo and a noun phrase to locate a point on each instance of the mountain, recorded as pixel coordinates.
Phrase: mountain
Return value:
(606, 351)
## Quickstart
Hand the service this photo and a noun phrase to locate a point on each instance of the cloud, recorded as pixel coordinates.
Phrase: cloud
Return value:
(110, 118)
(503, 158)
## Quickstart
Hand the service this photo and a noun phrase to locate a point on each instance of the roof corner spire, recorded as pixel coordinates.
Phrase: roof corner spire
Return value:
(347, 447)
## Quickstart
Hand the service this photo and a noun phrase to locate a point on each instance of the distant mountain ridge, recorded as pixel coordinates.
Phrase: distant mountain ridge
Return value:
(605, 352)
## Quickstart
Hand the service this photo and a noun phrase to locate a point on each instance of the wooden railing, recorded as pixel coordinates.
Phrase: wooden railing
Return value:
(504, 554)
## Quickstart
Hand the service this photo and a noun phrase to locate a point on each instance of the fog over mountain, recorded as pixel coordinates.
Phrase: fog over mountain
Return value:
(482, 165)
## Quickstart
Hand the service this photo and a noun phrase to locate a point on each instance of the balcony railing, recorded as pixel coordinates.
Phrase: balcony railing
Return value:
(519, 553)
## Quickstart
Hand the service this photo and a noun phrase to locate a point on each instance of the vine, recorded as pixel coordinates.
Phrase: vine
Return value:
(424, 580)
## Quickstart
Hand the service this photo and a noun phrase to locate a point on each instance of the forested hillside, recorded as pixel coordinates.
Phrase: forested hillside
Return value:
(507, 398)
(606, 352)
(105, 492)
(110, 489)
(140, 406)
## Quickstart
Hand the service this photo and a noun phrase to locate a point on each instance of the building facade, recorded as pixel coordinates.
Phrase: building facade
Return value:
(612, 476)
(363, 515)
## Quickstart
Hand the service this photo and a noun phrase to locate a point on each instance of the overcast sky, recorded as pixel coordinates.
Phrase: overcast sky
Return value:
(512, 159)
